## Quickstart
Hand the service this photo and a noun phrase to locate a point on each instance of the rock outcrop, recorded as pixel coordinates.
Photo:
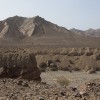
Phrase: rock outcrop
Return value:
(15, 64)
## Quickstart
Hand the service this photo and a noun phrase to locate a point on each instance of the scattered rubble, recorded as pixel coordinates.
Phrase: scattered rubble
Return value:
(13, 89)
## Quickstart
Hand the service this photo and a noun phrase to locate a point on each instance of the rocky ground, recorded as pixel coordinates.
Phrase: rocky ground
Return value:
(58, 58)
(79, 86)
(19, 89)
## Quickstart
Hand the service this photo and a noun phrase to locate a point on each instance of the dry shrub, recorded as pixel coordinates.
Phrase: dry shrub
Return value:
(81, 51)
(54, 51)
(96, 56)
(73, 52)
(64, 65)
(64, 51)
(63, 81)
(88, 52)
(40, 52)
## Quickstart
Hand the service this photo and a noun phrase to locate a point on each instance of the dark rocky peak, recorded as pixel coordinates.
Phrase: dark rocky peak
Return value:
(39, 20)
(15, 19)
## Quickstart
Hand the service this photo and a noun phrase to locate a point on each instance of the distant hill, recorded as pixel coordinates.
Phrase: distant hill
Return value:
(89, 32)
(93, 32)
(38, 31)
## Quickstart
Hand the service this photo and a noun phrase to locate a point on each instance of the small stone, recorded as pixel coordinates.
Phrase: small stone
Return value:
(4, 81)
(41, 98)
(19, 82)
(62, 93)
(73, 89)
(56, 98)
(25, 84)
(3, 98)
(83, 93)
(78, 95)
(44, 83)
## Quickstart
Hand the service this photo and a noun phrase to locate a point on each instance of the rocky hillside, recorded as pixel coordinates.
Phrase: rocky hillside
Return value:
(93, 32)
(38, 31)
(20, 27)
(89, 32)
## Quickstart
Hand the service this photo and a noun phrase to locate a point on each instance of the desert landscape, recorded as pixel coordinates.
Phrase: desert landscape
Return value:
(40, 60)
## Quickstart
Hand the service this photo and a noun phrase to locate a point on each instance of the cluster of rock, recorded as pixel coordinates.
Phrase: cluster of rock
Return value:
(91, 89)
(18, 64)
(67, 59)
(70, 59)
(29, 90)
(48, 66)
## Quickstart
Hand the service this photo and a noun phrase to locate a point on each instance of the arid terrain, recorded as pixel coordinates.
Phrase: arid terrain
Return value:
(40, 60)
(66, 73)
(38, 31)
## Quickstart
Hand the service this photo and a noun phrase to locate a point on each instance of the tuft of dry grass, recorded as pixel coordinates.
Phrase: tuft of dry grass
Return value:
(63, 81)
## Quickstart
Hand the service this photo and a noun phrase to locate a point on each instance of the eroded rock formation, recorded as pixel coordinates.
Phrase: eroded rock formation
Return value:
(15, 64)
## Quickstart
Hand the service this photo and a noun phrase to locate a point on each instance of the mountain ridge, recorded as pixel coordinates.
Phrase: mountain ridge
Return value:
(90, 32)
(36, 30)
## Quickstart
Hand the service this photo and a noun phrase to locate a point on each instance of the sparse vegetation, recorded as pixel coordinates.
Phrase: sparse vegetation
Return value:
(63, 81)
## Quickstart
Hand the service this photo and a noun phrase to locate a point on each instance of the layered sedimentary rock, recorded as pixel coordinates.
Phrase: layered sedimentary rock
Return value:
(15, 64)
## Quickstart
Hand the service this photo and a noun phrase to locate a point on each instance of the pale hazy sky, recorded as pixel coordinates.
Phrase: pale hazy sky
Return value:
(80, 14)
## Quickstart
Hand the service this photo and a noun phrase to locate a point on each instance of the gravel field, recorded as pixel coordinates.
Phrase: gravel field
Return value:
(19, 89)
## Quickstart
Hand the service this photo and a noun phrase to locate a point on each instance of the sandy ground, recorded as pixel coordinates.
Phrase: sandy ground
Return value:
(75, 78)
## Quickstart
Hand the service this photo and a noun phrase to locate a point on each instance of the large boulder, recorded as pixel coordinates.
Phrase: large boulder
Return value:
(15, 64)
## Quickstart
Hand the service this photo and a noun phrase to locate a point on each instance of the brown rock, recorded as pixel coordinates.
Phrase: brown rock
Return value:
(42, 66)
(19, 65)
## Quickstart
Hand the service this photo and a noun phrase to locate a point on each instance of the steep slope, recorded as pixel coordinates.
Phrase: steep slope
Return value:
(20, 26)
(10, 27)
(31, 29)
